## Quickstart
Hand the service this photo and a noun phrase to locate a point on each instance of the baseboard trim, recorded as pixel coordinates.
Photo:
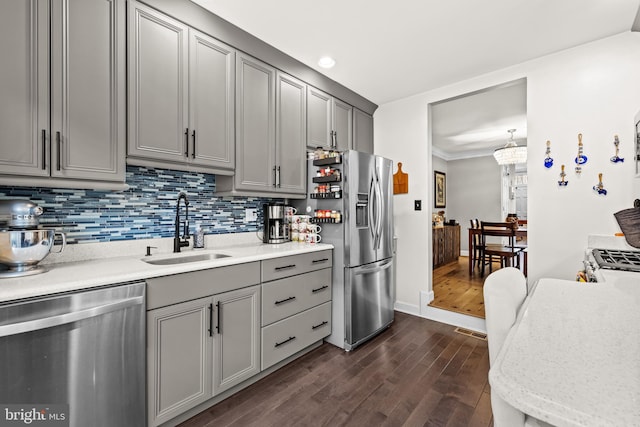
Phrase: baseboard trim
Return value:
(455, 319)
(407, 308)
(464, 253)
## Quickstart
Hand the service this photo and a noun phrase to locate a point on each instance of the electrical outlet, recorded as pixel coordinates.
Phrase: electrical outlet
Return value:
(250, 215)
(417, 205)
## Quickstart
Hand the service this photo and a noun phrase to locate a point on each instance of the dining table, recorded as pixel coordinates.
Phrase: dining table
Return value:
(521, 233)
(572, 358)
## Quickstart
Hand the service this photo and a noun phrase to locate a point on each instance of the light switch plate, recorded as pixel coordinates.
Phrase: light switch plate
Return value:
(250, 215)
(417, 205)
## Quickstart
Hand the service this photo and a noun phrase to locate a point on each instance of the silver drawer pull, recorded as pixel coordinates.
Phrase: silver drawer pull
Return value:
(321, 288)
(285, 267)
(278, 344)
(317, 261)
(282, 301)
(320, 325)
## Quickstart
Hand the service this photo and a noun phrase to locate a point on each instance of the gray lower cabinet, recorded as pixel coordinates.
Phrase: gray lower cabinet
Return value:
(329, 121)
(296, 304)
(198, 349)
(236, 337)
(362, 131)
(181, 95)
(63, 90)
(270, 132)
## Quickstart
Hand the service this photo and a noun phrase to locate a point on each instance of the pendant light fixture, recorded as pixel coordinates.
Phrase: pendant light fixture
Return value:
(511, 154)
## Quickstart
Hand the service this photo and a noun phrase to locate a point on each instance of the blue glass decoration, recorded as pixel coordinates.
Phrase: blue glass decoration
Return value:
(599, 188)
(581, 159)
(562, 182)
(616, 158)
(548, 161)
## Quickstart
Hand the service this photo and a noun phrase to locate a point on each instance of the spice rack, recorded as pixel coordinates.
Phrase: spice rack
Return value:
(328, 177)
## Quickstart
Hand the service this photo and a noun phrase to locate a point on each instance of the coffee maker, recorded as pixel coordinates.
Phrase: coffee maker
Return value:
(276, 228)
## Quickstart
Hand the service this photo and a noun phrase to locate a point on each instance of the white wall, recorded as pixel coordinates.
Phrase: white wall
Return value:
(473, 191)
(592, 89)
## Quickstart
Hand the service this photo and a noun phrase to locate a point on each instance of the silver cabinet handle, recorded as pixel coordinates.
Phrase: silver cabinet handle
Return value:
(275, 176)
(63, 319)
(278, 177)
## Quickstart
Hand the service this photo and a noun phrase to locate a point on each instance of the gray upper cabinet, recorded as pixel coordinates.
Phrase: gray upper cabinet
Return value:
(255, 125)
(330, 121)
(270, 132)
(181, 97)
(362, 131)
(291, 132)
(63, 71)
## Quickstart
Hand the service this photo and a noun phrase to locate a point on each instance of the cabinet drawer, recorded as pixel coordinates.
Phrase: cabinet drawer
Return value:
(167, 290)
(285, 297)
(278, 268)
(286, 337)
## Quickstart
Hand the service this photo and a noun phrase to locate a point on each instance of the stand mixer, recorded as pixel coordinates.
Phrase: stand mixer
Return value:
(22, 243)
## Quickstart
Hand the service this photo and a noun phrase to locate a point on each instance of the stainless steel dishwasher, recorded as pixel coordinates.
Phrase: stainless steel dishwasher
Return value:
(83, 352)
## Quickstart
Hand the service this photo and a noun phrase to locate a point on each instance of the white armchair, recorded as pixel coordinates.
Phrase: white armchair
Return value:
(504, 292)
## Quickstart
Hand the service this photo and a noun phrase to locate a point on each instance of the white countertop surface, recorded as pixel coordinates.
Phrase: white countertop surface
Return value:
(106, 268)
(573, 356)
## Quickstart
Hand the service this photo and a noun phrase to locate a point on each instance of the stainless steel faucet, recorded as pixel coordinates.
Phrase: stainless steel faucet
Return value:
(184, 241)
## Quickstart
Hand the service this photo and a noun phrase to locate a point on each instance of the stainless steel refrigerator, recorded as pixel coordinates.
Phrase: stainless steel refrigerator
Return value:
(363, 286)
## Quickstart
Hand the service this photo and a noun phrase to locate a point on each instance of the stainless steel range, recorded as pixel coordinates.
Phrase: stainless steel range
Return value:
(614, 259)
(609, 259)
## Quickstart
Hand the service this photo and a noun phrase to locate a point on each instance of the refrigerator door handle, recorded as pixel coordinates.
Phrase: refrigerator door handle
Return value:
(379, 211)
(370, 210)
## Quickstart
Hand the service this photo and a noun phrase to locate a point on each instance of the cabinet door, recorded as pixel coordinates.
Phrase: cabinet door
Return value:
(255, 124)
(318, 119)
(342, 125)
(362, 131)
(24, 87)
(88, 89)
(237, 337)
(179, 358)
(291, 134)
(211, 101)
(157, 85)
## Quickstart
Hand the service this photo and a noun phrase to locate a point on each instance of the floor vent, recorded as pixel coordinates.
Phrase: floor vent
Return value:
(473, 334)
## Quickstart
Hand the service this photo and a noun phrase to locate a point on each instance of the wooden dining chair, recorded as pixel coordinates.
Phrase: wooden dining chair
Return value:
(507, 253)
(475, 251)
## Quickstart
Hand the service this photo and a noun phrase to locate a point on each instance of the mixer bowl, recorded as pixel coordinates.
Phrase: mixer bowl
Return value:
(23, 249)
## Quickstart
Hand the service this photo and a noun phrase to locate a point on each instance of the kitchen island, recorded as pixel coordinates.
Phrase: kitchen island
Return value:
(573, 356)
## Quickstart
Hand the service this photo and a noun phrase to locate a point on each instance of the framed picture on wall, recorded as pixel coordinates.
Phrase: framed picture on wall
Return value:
(440, 189)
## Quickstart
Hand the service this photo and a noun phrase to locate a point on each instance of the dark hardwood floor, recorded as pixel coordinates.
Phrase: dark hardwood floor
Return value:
(416, 373)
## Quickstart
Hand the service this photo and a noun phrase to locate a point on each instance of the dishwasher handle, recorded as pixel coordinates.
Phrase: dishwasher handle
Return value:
(74, 316)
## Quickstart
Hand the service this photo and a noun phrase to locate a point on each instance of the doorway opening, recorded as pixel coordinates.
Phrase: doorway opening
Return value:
(465, 132)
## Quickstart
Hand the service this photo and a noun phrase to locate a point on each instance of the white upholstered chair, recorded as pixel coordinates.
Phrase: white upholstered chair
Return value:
(504, 292)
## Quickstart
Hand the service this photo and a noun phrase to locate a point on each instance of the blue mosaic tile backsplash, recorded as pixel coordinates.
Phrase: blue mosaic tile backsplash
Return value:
(146, 210)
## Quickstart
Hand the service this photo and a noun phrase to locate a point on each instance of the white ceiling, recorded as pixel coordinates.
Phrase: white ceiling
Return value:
(387, 50)
(476, 124)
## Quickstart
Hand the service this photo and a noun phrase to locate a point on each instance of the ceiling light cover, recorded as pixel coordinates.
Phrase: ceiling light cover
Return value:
(511, 154)
(326, 62)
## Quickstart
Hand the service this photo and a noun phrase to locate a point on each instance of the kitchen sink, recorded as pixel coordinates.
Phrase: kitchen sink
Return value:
(184, 259)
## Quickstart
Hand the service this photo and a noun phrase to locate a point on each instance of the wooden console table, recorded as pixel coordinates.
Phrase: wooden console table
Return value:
(446, 244)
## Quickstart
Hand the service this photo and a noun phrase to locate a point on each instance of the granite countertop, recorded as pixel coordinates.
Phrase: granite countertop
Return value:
(123, 262)
(573, 356)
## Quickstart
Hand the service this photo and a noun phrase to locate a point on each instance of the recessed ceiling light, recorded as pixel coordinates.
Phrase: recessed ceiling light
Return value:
(326, 62)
